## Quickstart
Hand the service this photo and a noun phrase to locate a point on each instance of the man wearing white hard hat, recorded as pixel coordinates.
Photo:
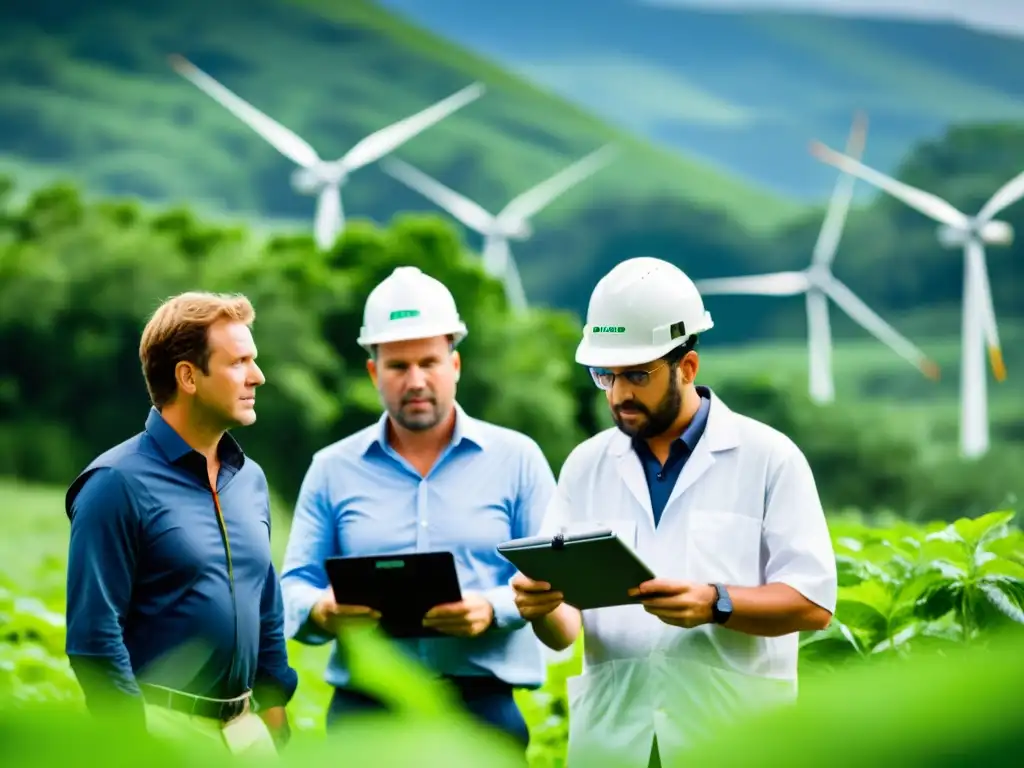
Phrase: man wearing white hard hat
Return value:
(724, 510)
(426, 477)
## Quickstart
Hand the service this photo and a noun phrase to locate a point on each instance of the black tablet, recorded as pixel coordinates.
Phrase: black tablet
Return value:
(402, 588)
(592, 569)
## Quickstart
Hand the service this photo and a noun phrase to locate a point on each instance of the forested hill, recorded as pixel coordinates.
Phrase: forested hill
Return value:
(88, 90)
(88, 94)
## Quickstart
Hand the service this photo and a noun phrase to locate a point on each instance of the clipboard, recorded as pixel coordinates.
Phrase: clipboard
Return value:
(592, 569)
(402, 588)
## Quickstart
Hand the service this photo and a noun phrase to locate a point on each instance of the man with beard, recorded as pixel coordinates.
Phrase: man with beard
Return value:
(426, 476)
(724, 510)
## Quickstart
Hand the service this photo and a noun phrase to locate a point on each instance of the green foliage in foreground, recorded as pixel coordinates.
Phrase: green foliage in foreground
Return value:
(971, 694)
(907, 593)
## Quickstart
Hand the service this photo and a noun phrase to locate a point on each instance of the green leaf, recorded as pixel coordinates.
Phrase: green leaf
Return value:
(834, 644)
(937, 599)
(379, 668)
(976, 531)
(865, 608)
(1009, 548)
(849, 571)
(1007, 595)
(999, 566)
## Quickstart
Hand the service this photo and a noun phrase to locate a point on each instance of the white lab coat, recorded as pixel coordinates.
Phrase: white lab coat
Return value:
(744, 512)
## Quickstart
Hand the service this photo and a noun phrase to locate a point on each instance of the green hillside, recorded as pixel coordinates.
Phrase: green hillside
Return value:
(91, 96)
(747, 87)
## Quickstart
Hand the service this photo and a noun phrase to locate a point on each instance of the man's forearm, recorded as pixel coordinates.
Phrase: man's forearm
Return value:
(560, 628)
(107, 691)
(774, 610)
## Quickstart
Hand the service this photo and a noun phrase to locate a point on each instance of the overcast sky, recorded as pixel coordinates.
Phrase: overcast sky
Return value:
(1004, 15)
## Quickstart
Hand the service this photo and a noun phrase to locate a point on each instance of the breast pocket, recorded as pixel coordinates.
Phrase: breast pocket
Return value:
(723, 547)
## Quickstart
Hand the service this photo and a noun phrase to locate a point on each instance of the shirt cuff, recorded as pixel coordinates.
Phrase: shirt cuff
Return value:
(506, 615)
(271, 692)
(299, 624)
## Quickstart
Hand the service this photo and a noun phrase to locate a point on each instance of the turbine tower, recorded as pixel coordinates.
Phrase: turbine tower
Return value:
(819, 285)
(512, 223)
(324, 178)
(978, 319)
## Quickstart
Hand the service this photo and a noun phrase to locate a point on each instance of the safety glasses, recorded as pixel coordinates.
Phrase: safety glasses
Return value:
(605, 379)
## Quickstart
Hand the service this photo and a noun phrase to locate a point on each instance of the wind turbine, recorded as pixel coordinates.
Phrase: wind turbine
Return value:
(512, 223)
(324, 178)
(819, 285)
(978, 318)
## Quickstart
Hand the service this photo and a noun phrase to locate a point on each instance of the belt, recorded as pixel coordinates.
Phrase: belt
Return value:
(222, 710)
(482, 684)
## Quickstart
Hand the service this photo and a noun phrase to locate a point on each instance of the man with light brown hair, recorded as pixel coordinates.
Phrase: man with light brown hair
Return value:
(174, 612)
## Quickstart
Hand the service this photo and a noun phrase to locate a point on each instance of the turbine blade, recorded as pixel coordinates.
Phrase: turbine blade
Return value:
(384, 141)
(835, 218)
(282, 139)
(778, 284)
(328, 217)
(869, 320)
(533, 200)
(924, 202)
(1007, 195)
(462, 208)
(975, 253)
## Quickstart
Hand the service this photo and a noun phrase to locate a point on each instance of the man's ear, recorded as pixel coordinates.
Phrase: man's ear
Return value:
(185, 375)
(371, 368)
(689, 365)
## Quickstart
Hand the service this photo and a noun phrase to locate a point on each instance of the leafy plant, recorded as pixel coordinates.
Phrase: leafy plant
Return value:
(33, 667)
(904, 588)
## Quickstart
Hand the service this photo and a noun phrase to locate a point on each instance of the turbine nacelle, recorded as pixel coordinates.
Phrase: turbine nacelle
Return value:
(989, 232)
(310, 181)
(818, 276)
(515, 229)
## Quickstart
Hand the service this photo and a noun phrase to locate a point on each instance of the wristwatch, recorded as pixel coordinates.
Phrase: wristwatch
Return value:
(721, 609)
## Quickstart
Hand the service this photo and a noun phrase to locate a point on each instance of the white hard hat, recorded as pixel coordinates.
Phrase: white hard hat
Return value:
(640, 311)
(409, 304)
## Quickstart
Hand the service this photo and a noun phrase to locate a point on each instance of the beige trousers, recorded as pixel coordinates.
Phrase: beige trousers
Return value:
(246, 734)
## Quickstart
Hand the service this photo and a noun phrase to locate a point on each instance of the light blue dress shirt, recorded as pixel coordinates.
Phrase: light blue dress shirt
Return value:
(359, 497)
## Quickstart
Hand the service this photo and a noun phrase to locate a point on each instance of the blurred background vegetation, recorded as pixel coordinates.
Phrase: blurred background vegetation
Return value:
(122, 185)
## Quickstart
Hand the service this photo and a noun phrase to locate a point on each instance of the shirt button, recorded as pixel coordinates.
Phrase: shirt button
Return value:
(423, 523)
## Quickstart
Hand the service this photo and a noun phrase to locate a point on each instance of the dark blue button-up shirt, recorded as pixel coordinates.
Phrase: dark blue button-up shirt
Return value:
(152, 593)
(661, 479)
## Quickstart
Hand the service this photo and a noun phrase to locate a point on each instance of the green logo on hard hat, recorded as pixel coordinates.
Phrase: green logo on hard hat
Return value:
(398, 314)
(608, 329)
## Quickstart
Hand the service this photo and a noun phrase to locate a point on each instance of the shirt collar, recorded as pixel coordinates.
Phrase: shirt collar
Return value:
(175, 448)
(466, 429)
(692, 434)
(694, 430)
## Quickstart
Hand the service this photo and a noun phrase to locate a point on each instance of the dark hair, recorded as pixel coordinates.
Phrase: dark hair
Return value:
(676, 356)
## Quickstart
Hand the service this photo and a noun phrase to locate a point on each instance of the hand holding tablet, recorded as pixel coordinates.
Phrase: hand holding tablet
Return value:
(588, 569)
